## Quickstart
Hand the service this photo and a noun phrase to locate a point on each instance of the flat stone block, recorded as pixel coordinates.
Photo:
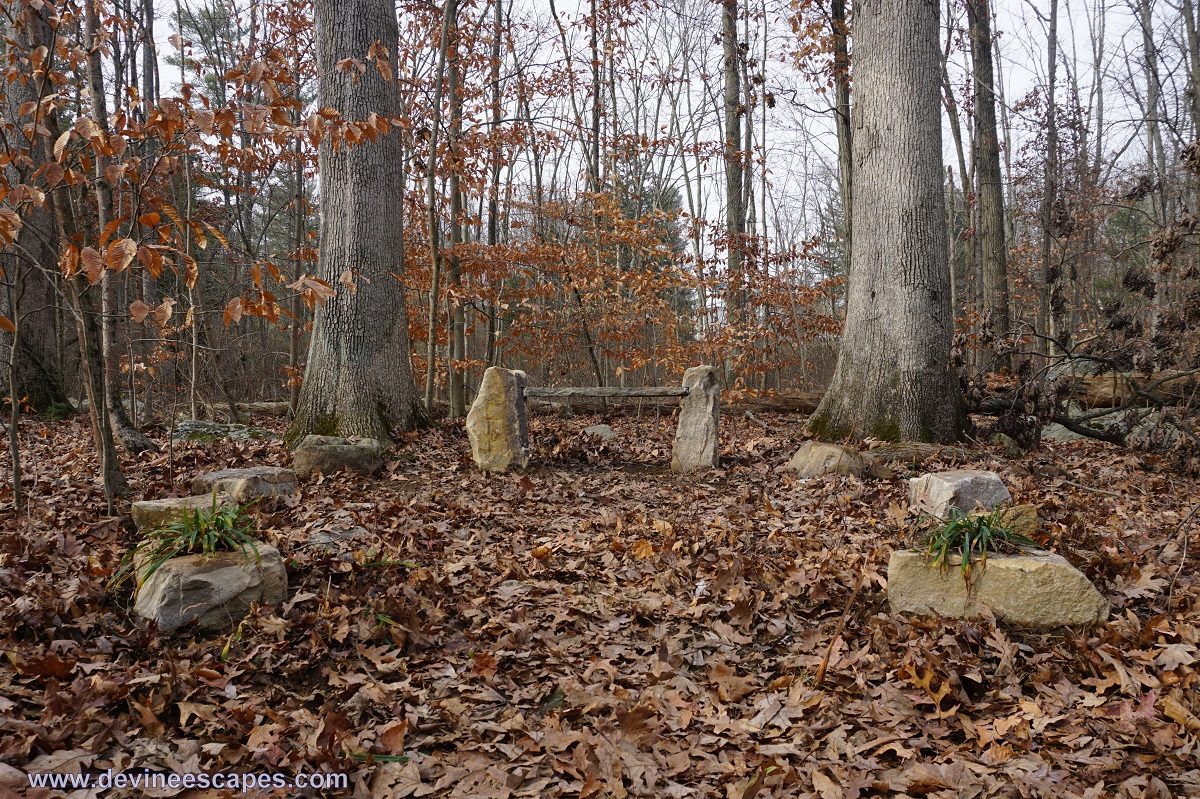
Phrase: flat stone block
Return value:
(153, 514)
(214, 591)
(329, 454)
(1039, 590)
(246, 484)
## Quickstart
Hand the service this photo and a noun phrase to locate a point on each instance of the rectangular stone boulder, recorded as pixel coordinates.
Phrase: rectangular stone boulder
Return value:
(497, 423)
(154, 514)
(243, 485)
(966, 489)
(329, 454)
(697, 437)
(214, 591)
(1039, 590)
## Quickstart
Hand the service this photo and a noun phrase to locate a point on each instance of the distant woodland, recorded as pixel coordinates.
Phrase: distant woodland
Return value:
(357, 207)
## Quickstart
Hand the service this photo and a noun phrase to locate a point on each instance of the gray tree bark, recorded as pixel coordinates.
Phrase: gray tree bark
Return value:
(458, 319)
(1050, 272)
(993, 247)
(893, 378)
(131, 438)
(735, 213)
(449, 18)
(841, 84)
(359, 377)
(36, 378)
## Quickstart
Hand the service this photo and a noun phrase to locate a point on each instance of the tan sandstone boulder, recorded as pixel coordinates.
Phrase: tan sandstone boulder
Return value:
(154, 514)
(815, 458)
(214, 591)
(697, 435)
(1039, 589)
(966, 489)
(243, 485)
(496, 424)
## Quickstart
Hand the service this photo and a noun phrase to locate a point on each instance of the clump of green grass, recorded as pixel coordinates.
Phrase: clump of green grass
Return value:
(199, 531)
(972, 538)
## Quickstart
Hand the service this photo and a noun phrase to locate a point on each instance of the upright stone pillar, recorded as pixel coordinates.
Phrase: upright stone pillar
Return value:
(697, 439)
(497, 423)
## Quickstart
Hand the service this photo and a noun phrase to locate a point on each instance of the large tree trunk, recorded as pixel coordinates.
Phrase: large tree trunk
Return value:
(458, 320)
(893, 378)
(841, 84)
(36, 378)
(735, 213)
(359, 377)
(131, 438)
(992, 243)
(1050, 272)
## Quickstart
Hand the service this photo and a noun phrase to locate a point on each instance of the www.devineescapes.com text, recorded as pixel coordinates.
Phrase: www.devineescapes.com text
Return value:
(231, 780)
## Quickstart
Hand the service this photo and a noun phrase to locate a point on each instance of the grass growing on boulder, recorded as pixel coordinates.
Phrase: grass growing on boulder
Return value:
(972, 537)
(203, 531)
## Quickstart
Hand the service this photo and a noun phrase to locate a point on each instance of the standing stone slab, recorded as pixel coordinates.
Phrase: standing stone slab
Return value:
(246, 484)
(328, 454)
(214, 591)
(966, 489)
(1039, 590)
(154, 514)
(697, 439)
(497, 424)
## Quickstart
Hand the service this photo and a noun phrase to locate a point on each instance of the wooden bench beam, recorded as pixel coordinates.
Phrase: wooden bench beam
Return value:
(597, 391)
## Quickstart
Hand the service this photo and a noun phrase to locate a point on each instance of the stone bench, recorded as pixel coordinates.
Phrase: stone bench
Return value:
(498, 422)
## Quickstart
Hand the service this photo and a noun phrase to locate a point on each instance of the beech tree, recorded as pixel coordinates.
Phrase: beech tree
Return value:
(992, 245)
(359, 376)
(893, 378)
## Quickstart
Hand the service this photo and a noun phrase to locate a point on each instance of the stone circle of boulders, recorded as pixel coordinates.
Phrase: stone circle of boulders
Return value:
(965, 489)
(497, 424)
(213, 591)
(329, 454)
(247, 484)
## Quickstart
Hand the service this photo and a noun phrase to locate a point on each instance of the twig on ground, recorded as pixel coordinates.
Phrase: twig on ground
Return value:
(837, 634)
(1183, 555)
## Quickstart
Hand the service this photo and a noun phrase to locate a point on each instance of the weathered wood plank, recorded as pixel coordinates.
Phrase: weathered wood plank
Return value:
(605, 391)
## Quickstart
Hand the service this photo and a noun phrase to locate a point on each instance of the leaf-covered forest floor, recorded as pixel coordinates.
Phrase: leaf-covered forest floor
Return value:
(599, 627)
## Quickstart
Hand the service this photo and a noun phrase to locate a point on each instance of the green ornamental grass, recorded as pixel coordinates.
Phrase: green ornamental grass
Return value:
(203, 531)
(972, 537)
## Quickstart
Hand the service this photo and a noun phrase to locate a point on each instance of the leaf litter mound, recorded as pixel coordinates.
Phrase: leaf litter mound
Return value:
(599, 627)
